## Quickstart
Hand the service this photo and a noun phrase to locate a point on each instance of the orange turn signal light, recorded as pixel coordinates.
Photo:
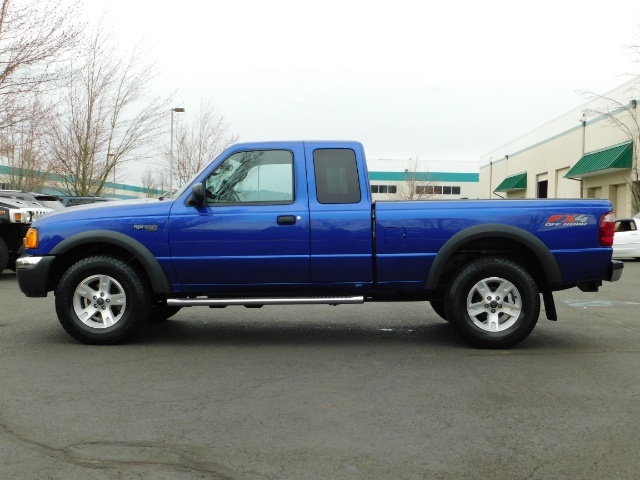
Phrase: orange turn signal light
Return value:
(31, 239)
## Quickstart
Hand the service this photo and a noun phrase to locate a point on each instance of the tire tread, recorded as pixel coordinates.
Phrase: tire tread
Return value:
(456, 295)
(138, 301)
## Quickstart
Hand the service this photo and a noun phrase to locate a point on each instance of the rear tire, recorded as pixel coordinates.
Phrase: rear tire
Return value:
(493, 302)
(102, 300)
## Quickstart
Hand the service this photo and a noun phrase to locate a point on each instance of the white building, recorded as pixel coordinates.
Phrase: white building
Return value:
(434, 179)
(589, 152)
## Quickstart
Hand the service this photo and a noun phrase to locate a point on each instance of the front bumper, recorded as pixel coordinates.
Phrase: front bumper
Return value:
(615, 270)
(33, 275)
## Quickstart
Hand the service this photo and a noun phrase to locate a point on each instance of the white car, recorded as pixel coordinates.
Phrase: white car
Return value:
(626, 239)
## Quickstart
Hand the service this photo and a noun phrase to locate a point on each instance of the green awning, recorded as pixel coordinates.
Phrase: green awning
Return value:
(513, 182)
(608, 160)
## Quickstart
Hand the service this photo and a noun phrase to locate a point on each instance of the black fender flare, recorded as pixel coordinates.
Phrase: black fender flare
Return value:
(154, 271)
(528, 240)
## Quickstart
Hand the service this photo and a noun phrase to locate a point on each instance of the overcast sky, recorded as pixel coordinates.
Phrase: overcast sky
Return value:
(442, 80)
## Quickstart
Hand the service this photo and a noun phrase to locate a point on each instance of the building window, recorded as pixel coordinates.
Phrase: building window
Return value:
(437, 190)
(388, 189)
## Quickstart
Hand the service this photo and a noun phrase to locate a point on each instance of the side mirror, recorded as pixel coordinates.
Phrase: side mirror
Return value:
(197, 196)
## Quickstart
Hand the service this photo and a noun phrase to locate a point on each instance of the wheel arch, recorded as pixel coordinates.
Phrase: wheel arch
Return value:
(494, 239)
(109, 242)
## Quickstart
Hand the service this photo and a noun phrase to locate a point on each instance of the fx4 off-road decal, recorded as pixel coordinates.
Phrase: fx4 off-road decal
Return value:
(567, 220)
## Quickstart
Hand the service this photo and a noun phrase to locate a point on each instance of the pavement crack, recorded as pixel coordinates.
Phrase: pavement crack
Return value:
(126, 455)
(602, 317)
(574, 306)
(158, 455)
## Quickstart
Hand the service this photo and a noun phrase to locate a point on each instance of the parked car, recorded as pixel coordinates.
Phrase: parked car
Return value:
(626, 239)
(18, 210)
(72, 200)
(49, 201)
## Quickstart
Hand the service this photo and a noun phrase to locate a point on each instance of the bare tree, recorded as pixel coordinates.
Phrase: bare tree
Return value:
(34, 36)
(22, 150)
(106, 117)
(149, 181)
(417, 185)
(624, 117)
(199, 142)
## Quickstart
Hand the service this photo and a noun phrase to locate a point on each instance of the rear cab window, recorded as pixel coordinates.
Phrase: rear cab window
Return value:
(336, 174)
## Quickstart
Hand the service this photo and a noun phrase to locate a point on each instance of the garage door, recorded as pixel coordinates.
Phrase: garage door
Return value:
(621, 206)
(565, 187)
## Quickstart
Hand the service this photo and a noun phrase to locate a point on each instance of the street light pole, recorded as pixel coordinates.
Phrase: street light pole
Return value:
(176, 110)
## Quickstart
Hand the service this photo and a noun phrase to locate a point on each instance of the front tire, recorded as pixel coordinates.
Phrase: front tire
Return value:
(493, 302)
(102, 300)
(4, 255)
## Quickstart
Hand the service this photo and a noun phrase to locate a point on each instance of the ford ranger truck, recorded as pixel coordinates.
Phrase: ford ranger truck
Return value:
(293, 223)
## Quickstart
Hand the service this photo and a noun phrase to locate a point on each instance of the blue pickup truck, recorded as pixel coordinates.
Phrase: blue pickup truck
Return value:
(294, 223)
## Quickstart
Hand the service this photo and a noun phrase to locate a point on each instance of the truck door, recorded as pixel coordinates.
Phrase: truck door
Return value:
(340, 215)
(254, 227)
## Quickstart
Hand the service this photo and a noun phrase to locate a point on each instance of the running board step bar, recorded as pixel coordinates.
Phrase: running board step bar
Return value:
(223, 302)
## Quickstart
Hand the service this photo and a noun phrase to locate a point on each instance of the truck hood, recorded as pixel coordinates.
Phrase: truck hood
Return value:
(110, 210)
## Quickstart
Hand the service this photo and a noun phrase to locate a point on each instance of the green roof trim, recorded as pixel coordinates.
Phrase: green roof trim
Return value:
(619, 157)
(425, 176)
(513, 182)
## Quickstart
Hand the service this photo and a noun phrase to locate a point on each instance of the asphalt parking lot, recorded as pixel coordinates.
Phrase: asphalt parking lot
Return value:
(380, 391)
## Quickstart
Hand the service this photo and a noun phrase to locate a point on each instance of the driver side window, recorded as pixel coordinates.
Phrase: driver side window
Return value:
(252, 177)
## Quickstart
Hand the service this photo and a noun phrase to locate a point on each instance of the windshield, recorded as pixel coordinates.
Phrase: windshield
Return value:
(176, 193)
(228, 174)
(53, 204)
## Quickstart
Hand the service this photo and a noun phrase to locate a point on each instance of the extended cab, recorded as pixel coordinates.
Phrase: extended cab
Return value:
(294, 223)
